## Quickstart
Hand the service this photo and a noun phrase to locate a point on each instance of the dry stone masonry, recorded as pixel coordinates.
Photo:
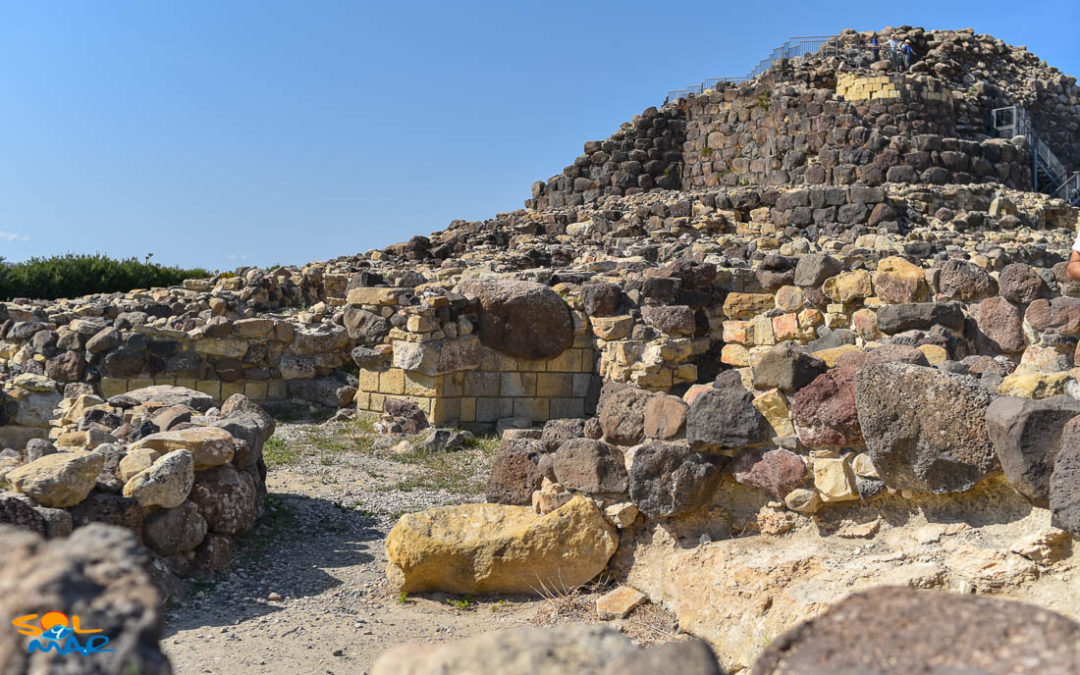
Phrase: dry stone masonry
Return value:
(825, 302)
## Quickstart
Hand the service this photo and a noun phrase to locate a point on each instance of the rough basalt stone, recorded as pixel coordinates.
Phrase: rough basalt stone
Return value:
(925, 429)
(724, 417)
(589, 466)
(1027, 436)
(1021, 284)
(1065, 480)
(521, 318)
(786, 368)
(622, 413)
(669, 479)
(514, 471)
(777, 472)
(962, 280)
(1000, 325)
(903, 630)
(824, 413)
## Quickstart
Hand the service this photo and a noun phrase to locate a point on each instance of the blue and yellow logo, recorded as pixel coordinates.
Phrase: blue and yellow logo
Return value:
(60, 633)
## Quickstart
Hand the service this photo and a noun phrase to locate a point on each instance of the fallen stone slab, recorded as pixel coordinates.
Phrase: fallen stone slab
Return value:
(493, 548)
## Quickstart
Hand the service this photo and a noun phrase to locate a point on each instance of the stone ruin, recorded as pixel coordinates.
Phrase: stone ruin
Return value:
(831, 291)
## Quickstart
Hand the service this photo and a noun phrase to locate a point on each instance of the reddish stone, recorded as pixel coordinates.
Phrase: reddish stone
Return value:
(777, 472)
(1000, 325)
(824, 411)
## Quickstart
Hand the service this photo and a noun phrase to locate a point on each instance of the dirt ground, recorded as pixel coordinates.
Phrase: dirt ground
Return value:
(335, 490)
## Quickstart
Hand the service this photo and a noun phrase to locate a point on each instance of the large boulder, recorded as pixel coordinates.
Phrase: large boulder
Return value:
(724, 417)
(898, 281)
(777, 472)
(169, 395)
(514, 471)
(622, 413)
(58, 480)
(209, 446)
(786, 368)
(670, 479)
(174, 531)
(226, 499)
(1027, 436)
(590, 466)
(903, 630)
(166, 483)
(521, 318)
(99, 573)
(965, 281)
(491, 548)
(1000, 324)
(823, 412)
(1057, 315)
(893, 319)
(574, 648)
(1021, 283)
(925, 428)
(1065, 480)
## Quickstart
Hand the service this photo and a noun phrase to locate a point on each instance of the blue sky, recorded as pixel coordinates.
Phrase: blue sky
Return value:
(225, 133)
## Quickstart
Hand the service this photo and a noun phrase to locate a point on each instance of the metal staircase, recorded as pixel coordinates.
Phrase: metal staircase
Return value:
(1048, 174)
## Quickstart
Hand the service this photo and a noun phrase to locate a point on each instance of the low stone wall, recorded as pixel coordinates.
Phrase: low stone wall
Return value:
(183, 476)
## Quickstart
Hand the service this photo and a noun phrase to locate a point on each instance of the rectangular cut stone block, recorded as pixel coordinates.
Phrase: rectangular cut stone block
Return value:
(746, 305)
(567, 407)
(554, 384)
(536, 409)
(230, 388)
(581, 384)
(368, 380)
(525, 366)
(276, 390)
(741, 332)
(612, 327)
(374, 296)
(418, 384)
(211, 388)
(187, 382)
(567, 362)
(256, 391)
(479, 383)
(518, 384)
(735, 355)
(227, 348)
(453, 384)
(392, 381)
(492, 409)
(468, 409)
(140, 382)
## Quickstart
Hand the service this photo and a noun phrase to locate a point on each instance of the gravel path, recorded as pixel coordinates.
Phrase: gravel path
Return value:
(335, 491)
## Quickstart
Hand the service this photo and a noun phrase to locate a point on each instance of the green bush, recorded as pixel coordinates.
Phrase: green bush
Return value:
(69, 276)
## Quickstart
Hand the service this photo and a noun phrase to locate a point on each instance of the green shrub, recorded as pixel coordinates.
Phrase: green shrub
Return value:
(69, 276)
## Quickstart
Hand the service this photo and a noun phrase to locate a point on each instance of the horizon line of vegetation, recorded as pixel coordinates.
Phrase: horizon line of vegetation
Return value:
(72, 275)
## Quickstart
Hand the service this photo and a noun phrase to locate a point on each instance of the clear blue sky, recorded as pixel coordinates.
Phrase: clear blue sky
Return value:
(227, 132)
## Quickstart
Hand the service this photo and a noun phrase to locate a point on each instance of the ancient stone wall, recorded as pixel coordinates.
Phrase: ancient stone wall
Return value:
(643, 154)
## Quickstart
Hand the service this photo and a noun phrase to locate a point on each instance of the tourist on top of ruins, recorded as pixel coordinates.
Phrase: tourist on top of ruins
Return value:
(875, 47)
(894, 46)
(1073, 268)
(907, 51)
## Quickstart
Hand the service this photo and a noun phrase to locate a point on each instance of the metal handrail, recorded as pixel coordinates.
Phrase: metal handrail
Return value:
(794, 47)
(1069, 190)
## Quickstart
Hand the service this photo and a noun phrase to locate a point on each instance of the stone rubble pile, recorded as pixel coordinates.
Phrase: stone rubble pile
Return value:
(184, 477)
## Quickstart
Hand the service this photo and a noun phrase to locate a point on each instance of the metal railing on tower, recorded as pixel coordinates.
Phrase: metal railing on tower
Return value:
(795, 47)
